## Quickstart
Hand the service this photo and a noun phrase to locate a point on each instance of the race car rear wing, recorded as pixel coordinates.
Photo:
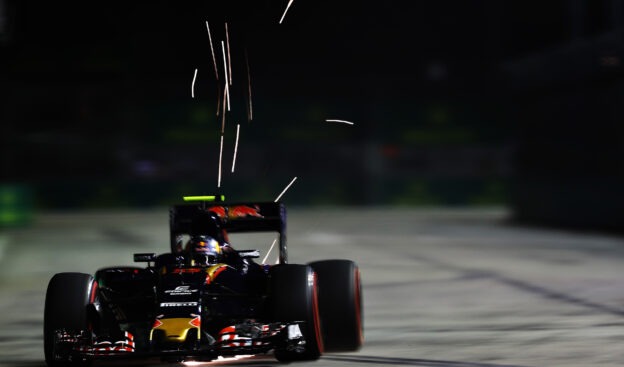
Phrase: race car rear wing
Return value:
(236, 217)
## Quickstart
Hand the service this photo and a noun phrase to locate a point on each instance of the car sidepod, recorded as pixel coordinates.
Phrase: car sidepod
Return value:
(125, 304)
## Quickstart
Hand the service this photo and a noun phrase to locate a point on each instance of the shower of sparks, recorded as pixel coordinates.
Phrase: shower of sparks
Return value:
(250, 108)
(227, 39)
(285, 11)
(235, 147)
(287, 187)
(193, 84)
(269, 252)
(225, 70)
(214, 60)
(220, 160)
(341, 121)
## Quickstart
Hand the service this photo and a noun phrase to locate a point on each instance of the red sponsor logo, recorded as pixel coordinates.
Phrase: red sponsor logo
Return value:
(186, 270)
(218, 210)
(245, 211)
(239, 211)
(196, 322)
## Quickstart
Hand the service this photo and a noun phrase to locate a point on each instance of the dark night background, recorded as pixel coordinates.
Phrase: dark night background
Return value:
(475, 102)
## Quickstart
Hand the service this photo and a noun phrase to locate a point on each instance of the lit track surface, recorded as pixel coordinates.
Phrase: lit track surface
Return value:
(456, 288)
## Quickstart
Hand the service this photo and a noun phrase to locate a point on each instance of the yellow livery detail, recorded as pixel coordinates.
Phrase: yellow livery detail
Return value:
(177, 329)
(214, 271)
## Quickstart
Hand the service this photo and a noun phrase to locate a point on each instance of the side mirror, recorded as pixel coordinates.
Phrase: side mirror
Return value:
(144, 258)
(249, 254)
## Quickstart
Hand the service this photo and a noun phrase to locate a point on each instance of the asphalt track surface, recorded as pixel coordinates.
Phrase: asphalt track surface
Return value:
(442, 287)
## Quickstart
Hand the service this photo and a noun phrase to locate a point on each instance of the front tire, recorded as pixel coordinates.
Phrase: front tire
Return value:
(67, 298)
(340, 304)
(294, 298)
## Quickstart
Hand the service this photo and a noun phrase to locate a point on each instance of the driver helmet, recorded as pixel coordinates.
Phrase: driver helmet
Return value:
(204, 247)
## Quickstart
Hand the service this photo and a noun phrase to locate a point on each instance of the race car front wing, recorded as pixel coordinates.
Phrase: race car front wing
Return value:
(83, 345)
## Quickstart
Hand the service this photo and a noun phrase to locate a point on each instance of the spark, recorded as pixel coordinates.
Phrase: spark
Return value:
(287, 187)
(219, 359)
(285, 11)
(235, 147)
(193, 84)
(227, 38)
(341, 121)
(270, 249)
(250, 111)
(218, 98)
(220, 160)
(225, 70)
(223, 115)
(214, 60)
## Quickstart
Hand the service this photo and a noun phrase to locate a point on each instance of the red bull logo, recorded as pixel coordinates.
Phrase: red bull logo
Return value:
(239, 211)
(218, 210)
(245, 211)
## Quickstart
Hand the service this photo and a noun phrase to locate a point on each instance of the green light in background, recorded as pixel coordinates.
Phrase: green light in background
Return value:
(15, 205)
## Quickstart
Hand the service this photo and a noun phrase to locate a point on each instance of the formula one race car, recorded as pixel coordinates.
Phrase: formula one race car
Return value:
(204, 300)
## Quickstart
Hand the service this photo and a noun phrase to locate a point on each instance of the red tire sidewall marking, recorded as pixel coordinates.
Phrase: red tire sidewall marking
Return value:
(93, 294)
(316, 315)
(358, 305)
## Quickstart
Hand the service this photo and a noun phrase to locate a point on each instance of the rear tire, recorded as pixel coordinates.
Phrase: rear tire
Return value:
(340, 304)
(294, 298)
(66, 302)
